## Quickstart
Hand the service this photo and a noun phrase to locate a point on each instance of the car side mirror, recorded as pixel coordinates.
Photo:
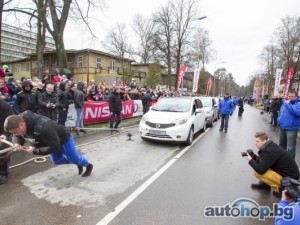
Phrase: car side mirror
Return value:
(198, 111)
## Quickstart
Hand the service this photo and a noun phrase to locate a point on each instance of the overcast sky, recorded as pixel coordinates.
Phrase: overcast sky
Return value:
(239, 29)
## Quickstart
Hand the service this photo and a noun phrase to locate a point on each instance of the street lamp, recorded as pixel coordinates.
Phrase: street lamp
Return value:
(215, 76)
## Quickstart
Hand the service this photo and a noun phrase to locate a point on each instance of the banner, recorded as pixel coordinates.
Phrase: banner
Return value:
(180, 76)
(97, 112)
(208, 86)
(288, 80)
(277, 81)
(196, 79)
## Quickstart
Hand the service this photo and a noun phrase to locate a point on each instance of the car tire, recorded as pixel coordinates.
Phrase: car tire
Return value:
(203, 128)
(190, 137)
(144, 139)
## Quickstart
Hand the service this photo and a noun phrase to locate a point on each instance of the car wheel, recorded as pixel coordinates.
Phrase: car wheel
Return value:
(144, 139)
(190, 138)
(203, 128)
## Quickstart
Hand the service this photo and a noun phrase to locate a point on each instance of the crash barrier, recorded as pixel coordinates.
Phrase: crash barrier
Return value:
(98, 112)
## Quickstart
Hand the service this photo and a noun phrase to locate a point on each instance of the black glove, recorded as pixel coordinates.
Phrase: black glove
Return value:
(230, 114)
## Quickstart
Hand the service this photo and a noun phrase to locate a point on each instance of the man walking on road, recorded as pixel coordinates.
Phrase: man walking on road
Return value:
(225, 109)
(289, 123)
(45, 137)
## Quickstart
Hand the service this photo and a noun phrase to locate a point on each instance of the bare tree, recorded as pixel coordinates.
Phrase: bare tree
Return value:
(201, 47)
(163, 44)
(288, 39)
(144, 30)
(269, 61)
(184, 12)
(116, 42)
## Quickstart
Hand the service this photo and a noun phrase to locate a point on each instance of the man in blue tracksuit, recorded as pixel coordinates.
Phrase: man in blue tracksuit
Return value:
(289, 123)
(45, 136)
(225, 109)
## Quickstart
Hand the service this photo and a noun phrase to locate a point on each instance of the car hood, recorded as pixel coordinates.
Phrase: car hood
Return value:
(165, 117)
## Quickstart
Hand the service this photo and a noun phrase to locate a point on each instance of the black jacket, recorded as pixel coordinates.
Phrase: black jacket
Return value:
(5, 111)
(43, 100)
(26, 100)
(271, 156)
(44, 134)
(115, 103)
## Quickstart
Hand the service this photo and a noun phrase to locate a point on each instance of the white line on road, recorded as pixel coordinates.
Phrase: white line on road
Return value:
(110, 216)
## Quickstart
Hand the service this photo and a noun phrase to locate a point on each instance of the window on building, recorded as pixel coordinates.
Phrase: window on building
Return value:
(112, 65)
(98, 62)
(80, 61)
(27, 67)
(46, 65)
(19, 68)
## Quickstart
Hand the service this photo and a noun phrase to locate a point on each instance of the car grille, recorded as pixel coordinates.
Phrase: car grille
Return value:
(159, 136)
(160, 125)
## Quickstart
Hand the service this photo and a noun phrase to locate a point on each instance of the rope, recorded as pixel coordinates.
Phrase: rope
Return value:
(42, 159)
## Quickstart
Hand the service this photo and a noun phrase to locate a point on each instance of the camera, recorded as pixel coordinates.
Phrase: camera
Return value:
(291, 186)
(249, 151)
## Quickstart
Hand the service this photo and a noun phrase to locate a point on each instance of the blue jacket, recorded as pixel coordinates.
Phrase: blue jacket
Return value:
(289, 116)
(226, 106)
(283, 219)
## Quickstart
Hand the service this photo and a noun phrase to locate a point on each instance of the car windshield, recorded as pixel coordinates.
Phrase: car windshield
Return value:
(172, 105)
(206, 102)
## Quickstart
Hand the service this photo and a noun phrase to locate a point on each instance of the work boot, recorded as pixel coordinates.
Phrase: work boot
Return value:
(260, 185)
(221, 129)
(88, 170)
(80, 169)
(3, 179)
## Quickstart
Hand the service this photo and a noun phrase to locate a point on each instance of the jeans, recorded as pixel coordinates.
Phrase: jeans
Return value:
(224, 121)
(62, 116)
(112, 119)
(288, 140)
(67, 154)
(79, 120)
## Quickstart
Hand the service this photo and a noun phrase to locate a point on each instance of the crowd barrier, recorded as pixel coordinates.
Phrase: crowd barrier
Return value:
(98, 112)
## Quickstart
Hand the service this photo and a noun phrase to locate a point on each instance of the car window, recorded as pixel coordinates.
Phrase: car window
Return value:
(199, 103)
(172, 105)
(214, 102)
(206, 102)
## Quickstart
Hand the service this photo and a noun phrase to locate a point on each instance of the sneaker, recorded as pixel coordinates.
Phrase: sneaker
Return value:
(260, 185)
(88, 170)
(226, 131)
(277, 194)
(221, 130)
(3, 179)
(80, 169)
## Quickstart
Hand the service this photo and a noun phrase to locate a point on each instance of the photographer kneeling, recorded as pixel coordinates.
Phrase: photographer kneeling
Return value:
(271, 164)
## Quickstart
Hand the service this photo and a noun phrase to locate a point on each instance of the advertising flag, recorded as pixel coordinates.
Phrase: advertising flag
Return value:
(288, 80)
(196, 79)
(208, 85)
(277, 81)
(180, 76)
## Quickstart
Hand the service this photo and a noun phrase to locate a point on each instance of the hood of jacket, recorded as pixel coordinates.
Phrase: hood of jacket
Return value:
(80, 86)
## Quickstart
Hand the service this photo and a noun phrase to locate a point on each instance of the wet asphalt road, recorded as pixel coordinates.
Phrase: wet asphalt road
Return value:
(211, 173)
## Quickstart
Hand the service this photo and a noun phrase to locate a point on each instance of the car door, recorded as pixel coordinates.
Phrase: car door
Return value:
(200, 117)
(215, 108)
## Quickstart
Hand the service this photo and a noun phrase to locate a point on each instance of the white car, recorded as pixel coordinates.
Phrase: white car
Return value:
(173, 119)
(211, 110)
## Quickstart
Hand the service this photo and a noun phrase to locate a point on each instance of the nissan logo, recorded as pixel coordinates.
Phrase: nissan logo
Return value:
(157, 125)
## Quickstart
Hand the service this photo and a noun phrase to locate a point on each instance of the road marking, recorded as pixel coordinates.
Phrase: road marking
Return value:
(110, 216)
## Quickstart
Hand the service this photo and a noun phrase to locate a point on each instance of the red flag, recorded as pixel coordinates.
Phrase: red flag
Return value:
(180, 76)
(288, 80)
(208, 85)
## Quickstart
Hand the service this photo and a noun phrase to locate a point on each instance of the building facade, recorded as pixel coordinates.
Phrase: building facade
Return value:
(17, 43)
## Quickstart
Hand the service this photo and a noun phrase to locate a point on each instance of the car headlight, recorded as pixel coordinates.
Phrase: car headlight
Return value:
(145, 119)
(181, 121)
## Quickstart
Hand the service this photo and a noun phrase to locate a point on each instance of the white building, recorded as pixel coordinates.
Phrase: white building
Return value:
(16, 43)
